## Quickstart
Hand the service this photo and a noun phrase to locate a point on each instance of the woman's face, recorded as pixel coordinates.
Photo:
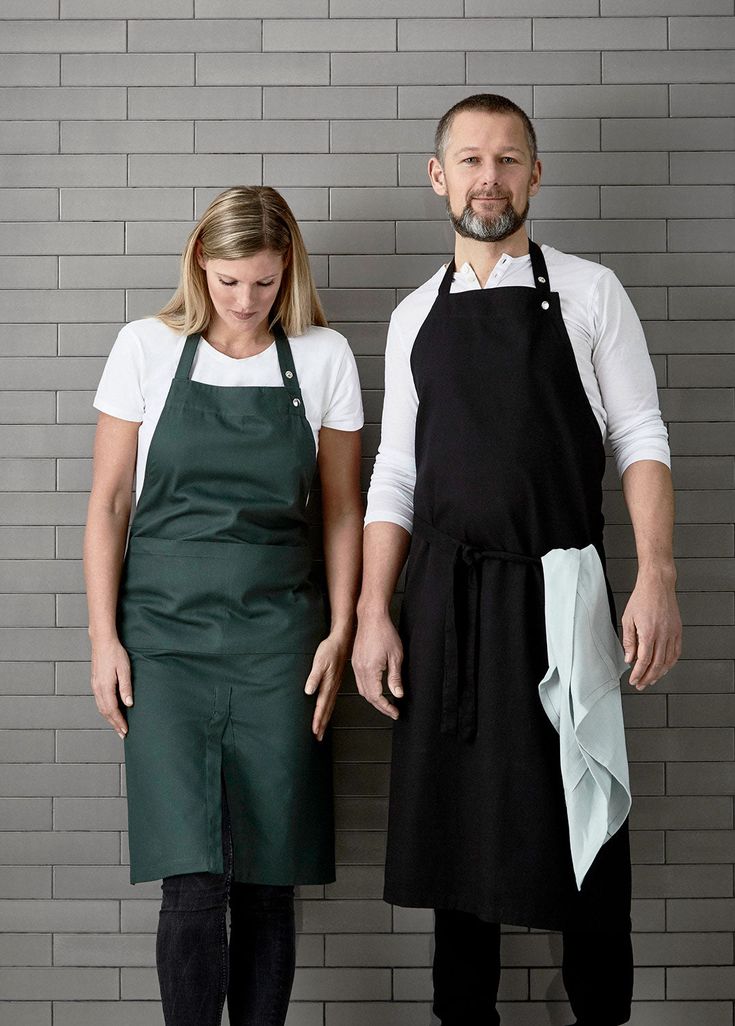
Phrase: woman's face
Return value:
(243, 291)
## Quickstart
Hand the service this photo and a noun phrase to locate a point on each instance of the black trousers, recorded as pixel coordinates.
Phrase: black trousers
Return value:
(199, 967)
(597, 964)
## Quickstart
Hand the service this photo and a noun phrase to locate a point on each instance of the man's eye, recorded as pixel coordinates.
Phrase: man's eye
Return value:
(470, 160)
(509, 160)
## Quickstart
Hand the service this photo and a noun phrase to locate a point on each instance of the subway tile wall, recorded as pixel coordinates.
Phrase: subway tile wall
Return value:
(121, 121)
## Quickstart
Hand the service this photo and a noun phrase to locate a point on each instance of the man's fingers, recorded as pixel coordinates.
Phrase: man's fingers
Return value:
(370, 686)
(382, 704)
(395, 684)
(630, 638)
(370, 682)
(654, 659)
(644, 653)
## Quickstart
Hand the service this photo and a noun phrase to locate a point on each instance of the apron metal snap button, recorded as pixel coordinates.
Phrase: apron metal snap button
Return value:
(544, 305)
(542, 279)
(297, 402)
(289, 374)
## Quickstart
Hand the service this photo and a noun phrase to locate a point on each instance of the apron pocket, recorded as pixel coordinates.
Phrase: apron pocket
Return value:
(171, 602)
(189, 596)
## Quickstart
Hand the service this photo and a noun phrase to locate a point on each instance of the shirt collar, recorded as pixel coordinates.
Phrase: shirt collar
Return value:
(467, 274)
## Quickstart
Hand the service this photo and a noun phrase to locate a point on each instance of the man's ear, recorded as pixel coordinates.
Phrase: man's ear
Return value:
(436, 177)
(535, 179)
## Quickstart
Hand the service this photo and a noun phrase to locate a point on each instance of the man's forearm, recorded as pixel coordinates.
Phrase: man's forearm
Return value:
(385, 547)
(651, 620)
(649, 496)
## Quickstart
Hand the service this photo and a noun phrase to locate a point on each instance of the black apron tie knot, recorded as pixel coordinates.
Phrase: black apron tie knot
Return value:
(462, 626)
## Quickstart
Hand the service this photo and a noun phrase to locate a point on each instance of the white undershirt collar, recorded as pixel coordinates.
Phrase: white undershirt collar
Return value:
(498, 272)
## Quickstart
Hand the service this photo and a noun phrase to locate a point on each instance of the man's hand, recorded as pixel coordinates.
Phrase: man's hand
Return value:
(378, 649)
(651, 629)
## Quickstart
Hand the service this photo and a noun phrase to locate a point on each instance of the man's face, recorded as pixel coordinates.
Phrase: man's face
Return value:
(487, 175)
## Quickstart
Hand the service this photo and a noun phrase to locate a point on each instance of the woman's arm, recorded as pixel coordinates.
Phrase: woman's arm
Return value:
(115, 448)
(342, 513)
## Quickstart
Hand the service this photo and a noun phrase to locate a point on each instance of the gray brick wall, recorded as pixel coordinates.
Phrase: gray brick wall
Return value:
(118, 130)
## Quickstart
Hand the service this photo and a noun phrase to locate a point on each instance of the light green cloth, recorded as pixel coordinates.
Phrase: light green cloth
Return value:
(581, 696)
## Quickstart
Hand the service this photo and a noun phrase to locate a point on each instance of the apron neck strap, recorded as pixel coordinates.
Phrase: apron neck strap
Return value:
(285, 361)
(283, 348)
(187, 357)
(538, 264)
(446, 282)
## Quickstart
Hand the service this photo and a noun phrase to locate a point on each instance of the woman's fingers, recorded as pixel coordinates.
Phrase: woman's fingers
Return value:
(324, 681)
(124, 683)
(106, 697)
(324, 708)
(111, 685)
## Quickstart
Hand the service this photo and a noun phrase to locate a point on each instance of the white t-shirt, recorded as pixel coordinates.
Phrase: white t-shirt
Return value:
(143, 361)
(609, 348)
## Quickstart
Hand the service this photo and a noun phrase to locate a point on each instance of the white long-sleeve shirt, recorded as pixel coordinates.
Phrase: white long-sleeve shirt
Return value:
(609, 348)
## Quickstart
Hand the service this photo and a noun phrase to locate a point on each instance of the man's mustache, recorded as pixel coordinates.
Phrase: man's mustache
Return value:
(487, 195)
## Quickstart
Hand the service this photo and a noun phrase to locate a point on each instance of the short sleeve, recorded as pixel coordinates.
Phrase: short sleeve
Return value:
(120, 391)
(344, 406)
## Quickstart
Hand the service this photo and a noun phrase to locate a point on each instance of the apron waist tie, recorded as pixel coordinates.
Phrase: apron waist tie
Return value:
(459, 688)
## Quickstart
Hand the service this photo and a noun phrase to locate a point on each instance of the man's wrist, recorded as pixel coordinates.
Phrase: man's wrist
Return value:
(373, 607)
(659, 569)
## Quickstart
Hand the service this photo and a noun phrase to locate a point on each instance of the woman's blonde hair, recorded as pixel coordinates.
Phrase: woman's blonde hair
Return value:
(239, 223)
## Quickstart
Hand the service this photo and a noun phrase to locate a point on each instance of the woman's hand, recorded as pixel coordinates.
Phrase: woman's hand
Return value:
(111, 682)
(325, 678)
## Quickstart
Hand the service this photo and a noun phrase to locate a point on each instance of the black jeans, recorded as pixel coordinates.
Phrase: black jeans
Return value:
(197, 969)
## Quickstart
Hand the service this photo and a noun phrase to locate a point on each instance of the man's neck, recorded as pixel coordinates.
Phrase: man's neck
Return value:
(483, 256)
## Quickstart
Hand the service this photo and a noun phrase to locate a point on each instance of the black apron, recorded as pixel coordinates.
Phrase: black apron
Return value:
(509, 464)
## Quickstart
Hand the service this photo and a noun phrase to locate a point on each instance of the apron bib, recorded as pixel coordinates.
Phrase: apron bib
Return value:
(221, 617)
(509, 461)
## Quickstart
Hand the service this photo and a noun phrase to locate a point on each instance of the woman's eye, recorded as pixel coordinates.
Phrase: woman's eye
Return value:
(227, 282)
(265, 284)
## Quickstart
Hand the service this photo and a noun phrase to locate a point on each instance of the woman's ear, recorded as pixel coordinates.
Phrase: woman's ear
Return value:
(199, 255)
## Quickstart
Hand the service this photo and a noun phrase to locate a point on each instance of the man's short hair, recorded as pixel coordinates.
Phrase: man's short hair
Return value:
(491, 103)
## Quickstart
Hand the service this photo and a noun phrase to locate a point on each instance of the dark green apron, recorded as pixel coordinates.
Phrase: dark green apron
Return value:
(221, 617)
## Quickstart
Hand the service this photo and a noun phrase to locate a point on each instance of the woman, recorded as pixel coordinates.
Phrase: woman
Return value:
(209, 641)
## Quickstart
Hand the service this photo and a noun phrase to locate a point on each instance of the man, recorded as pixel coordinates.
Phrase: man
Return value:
(504, 374)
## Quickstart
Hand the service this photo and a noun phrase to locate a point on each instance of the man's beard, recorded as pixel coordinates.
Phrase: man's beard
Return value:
(471, 225)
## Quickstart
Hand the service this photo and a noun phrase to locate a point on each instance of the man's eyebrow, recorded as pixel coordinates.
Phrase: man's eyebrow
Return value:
(503, 149)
